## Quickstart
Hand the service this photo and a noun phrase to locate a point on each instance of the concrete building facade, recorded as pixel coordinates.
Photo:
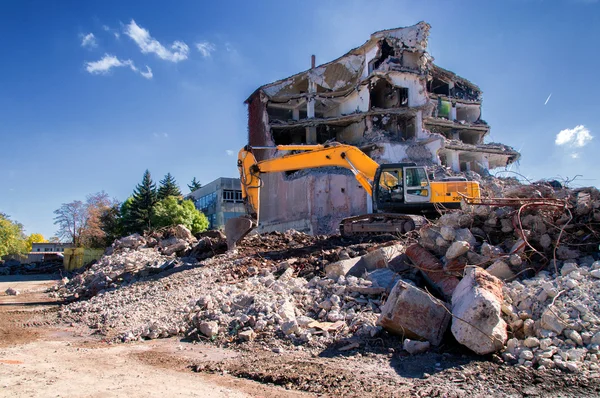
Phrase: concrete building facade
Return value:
(386, 97)
(219, 200)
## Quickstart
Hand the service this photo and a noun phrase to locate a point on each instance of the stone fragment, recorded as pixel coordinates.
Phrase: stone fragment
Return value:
(595, 273)
(209, 329)
(182, 232)
(465, 234)
(12, 292)
(457, 249)
(595, 338)
(515, 260)
(289, 327)
(551, 321)
(526, 355)
(385, 278)
(247, 335)
(411, 312)
(476, 306)
(490, 251)
(531, 342)
(568, 267)
(415, 347)
(340, 268)
(448, 233)
(500, 270)
(573, 335)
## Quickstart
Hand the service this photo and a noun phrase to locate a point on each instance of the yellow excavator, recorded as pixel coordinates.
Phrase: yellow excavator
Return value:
(402, 193)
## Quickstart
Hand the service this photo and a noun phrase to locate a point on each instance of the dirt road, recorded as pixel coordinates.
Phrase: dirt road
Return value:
(40, 359)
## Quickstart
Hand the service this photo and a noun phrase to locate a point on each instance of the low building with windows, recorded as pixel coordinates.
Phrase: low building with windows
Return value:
(219, 200)
(47, 251)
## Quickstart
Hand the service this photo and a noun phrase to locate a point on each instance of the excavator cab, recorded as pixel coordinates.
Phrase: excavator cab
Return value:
(401, 187)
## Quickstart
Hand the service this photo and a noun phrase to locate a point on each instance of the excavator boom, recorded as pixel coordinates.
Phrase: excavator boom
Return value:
(310, 156)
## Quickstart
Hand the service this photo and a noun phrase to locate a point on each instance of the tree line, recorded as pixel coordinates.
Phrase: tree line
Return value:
(100, 220)
(13, 239)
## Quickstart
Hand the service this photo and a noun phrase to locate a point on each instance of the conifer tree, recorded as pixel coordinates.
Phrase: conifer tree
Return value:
(168, 187)
(195, 184)
(141, 208)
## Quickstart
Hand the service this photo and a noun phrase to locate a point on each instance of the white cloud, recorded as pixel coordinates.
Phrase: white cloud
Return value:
(206, 48)
(89, 40)
(548, 99)
(105, 28)
(179, 50)
(148, 74)
(575, 155)
(576, 137)
(166, 135)
(229, 152)
(106, 63)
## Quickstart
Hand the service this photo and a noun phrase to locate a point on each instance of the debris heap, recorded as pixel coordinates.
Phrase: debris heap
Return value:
(517, 275)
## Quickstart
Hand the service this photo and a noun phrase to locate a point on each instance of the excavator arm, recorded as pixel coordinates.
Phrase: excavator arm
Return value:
(311, 156)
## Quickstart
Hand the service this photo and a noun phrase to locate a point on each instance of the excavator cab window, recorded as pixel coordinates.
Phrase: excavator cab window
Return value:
(391, 185)
(417, 185)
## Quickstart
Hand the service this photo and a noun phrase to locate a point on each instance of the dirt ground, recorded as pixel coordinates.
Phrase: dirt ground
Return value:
(38, 359)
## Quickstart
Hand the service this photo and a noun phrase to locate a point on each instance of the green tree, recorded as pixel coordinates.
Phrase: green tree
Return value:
(112, 223)
(12, 238)
(168, 187)
(174, 211)
(194, 185)
(141, 207)
(34, 238)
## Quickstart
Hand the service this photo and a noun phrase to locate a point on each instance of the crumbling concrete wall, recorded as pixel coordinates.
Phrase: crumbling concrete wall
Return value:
(314, 203)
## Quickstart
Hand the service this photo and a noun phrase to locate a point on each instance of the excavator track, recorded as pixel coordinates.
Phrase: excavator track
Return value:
(380, 223)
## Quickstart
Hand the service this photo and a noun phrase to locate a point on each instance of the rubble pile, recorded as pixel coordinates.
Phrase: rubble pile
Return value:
(555, 319)
(256, 290)
(519, 277)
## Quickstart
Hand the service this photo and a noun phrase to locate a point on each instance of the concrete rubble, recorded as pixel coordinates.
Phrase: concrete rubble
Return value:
(485, 274)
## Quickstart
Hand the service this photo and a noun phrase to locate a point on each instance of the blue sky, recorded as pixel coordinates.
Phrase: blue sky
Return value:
(70, 127)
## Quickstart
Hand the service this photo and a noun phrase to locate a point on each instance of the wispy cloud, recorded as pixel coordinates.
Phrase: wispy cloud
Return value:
(229, 152)
(206, 48)
(160, 135)
(88, 41)
(548, 99)
(576, 137)
(178, 51)
(108, 62)
(107, 28)
(148, 74)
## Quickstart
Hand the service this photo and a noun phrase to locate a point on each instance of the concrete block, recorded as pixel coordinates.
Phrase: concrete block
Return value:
(476, 306)
(500, 270)
(457, 249)
(340, 268)
(411, 312)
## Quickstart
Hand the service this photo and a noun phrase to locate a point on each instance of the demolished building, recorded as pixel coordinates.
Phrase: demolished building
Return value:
(386, 97)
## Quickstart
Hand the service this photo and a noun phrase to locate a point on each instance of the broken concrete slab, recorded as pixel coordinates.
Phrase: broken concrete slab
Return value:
(359, 266)
(411, 312)
(457, 249)
(476, 308)
(414, 347)
(500, 270)
(385, 278)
